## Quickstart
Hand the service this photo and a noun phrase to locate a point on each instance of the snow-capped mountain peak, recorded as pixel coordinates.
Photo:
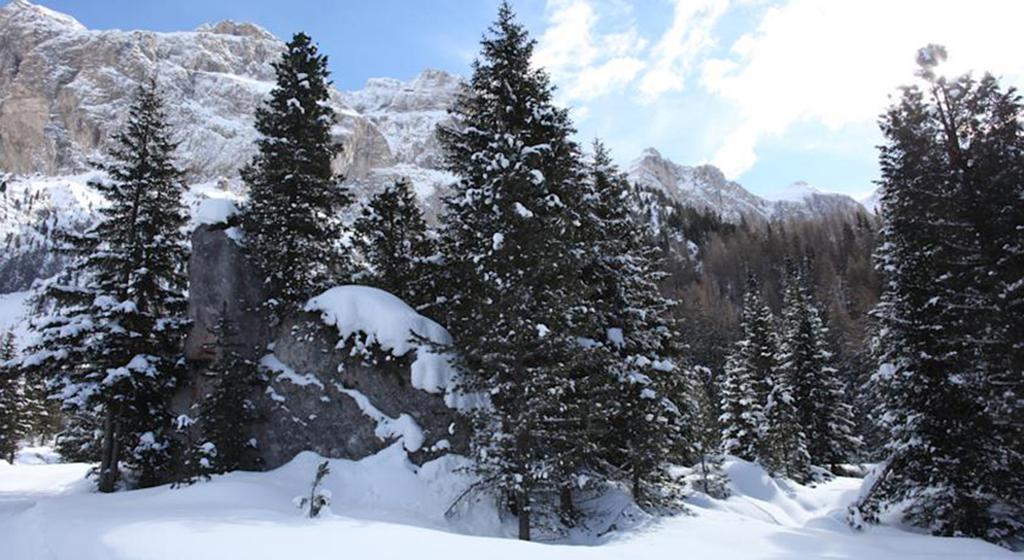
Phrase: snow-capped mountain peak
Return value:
(705, 187)
(794, 192)
(28, 14)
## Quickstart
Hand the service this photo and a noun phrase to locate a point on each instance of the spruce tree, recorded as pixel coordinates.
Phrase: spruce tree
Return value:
(226, 411)
(291, 222)
(13, 400)
(749, 372)
(947, 385)
(707, 435)
(511, 281)
(111, 340)
(392, 236)
(785, 441)
(632, 320)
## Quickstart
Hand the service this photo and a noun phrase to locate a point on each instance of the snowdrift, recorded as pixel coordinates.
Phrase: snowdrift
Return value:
(385, 507)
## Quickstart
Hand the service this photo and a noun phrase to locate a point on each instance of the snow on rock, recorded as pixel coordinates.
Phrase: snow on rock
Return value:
(388, 321)
(404, 428)
(215, 211)
(382, 317)
(285, 373)
(71, 87)
(706, 188)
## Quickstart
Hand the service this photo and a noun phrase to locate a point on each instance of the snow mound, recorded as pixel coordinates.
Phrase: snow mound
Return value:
(388, 321)
(756, 495)
(382, 317)
(215, 210)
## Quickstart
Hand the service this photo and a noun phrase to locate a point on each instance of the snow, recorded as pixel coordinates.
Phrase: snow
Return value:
(616, 337)
(795, 192)
(285, 373)
(522, 211)
(404, 428)
(215, 210)
(382, 317)
(394, 325)
(384, 507)
(14, 314)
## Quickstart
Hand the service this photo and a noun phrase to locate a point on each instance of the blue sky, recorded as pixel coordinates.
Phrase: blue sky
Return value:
(771, 91)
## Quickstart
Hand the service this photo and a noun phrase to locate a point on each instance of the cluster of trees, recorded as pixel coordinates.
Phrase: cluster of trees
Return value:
(783, 401)
(951, 319)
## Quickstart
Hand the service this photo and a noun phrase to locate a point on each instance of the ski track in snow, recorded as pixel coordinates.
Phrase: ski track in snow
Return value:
(385, 507)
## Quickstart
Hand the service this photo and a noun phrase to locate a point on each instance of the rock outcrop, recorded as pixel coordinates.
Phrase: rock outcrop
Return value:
(322, 396)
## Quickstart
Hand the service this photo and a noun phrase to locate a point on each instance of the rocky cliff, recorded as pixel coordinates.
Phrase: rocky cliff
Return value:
(64, 89)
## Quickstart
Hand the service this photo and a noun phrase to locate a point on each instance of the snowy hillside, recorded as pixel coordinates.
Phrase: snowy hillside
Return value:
(384, 507)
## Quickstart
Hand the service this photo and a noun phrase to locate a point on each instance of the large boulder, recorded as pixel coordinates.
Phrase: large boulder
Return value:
(344, 389)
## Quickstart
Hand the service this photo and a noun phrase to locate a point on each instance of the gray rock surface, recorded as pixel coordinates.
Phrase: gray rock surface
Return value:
(315, 414)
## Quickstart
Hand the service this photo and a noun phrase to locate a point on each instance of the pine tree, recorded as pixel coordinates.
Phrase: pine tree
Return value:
(749, 372)
(632, 320)
(226, 412)
(291, 223)
(13, 400)
(112, 340)
(948, 387)
(511, 276)
(392, 236)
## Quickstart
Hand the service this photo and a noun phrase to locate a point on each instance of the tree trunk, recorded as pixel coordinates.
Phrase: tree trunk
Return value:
(637, 490)
(523, 506)
(565, 506)
(109, 454)
(704, 472)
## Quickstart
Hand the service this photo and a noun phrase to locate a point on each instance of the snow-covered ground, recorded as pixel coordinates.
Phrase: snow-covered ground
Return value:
(385, 507)
(14, 314)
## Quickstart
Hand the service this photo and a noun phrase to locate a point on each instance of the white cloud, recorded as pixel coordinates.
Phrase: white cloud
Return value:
(832, 63)
(586, 62)
(675, 53)
(836, 63)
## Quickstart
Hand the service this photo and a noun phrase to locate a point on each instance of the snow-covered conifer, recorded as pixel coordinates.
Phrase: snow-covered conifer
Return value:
(111, 340)
(291, 222)
(632, 319)
(226, 411)
(749, 371)
(807, 368)
(393, 238)
(13, 400)
(948, 383)
(511, 274)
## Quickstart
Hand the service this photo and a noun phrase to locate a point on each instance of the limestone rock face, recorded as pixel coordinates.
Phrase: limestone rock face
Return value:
(321, 396)
(64, 89)
(221, 280)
